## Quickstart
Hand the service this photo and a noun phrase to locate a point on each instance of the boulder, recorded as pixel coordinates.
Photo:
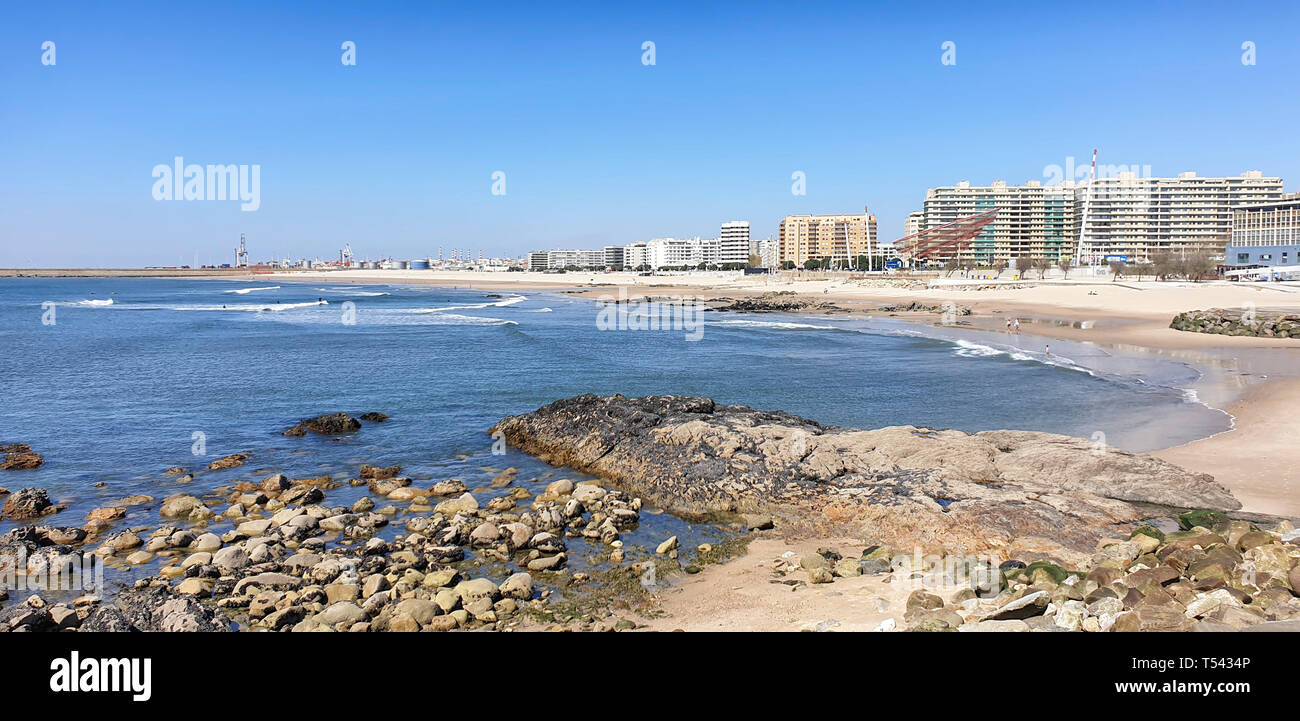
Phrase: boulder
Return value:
(28, 503)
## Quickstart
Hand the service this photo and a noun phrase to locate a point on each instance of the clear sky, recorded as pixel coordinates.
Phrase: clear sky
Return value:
(395, 154)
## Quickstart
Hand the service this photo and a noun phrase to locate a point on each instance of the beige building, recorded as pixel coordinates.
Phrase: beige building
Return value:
(838, 238)
(1135, 218)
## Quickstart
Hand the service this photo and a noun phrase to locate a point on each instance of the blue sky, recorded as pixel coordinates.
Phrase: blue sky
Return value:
(395, 155)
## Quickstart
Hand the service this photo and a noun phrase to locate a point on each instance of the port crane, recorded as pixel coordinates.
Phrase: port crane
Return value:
(345, 255)
(241, 253)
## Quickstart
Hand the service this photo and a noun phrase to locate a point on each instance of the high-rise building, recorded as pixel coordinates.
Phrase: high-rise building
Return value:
(837, 238)
(538, 261)
(1135, 218)
(1265, 234)
(1032, 220)
(636, 256)
(734, 243)
(915, 223)
(1122, 217)
(614, 256)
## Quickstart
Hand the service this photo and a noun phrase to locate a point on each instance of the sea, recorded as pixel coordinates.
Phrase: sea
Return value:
(114, 380)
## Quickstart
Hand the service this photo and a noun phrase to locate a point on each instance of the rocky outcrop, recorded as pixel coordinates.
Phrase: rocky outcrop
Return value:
(1235, 322)
(977, 491)
(231, 461)
(779, 302)
(915, 307)
(328, 425)
(28, 503)
(19, 457)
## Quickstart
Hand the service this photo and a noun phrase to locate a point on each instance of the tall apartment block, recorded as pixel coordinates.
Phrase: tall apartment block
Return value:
(1033, 220)
(1125, 216)
(839, 238)
(1136, 218)
(734, 241)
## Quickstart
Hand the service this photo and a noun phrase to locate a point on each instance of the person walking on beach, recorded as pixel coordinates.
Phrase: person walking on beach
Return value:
(1017, 325)
(1008, 325)
(1047, 351)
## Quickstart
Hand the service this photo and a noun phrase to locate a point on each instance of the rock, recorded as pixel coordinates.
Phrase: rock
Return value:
(820, 574)
(253, 529)
(696, 458)
(448, 488)
(1027, 606)
(345, 612)
(848, 568)
(374, 417)
(107, 513)
(273, 484)
(19, 457)
(667, 546)
(195, 587)
(336, 592)
(179, 505)
(379, 473)
(465, 503)
(332, 424)
(231, 461)
(518, 586)
(547, 563)
(230, 559)
(562, 487)
(28, 503)
(757, 521)
(477, 588)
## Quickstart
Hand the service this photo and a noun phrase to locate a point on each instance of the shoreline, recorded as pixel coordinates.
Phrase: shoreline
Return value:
(1252, 380)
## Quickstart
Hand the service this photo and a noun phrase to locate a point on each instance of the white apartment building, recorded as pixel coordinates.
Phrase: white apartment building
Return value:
(1135, 218)
(636, 255)
(581, 258)
(734, 243)
(678, 252)
(915, 223)
(768, 251)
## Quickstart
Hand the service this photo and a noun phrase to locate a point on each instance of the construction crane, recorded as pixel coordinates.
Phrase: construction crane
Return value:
(345, 255)
(241, 253)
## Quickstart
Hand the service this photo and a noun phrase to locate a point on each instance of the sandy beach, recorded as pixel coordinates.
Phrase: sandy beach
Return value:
(1261, 393)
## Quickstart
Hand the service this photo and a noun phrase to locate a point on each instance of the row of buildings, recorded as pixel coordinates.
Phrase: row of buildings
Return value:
(838, 240)
(731, 250)
(1125, 217)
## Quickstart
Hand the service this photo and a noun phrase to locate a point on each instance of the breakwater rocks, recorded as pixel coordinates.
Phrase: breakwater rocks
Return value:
(1229, 322)
(778, 302)
(19, 457)
(1002, 491)
(288, 561)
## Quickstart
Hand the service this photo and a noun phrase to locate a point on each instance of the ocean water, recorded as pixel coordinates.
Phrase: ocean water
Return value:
(134, 373)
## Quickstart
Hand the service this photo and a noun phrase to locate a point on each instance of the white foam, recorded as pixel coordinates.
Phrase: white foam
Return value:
(776, 324)
(346, 291)
(242, 291)
(476, 306)
(250, 308)
(95, 303)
